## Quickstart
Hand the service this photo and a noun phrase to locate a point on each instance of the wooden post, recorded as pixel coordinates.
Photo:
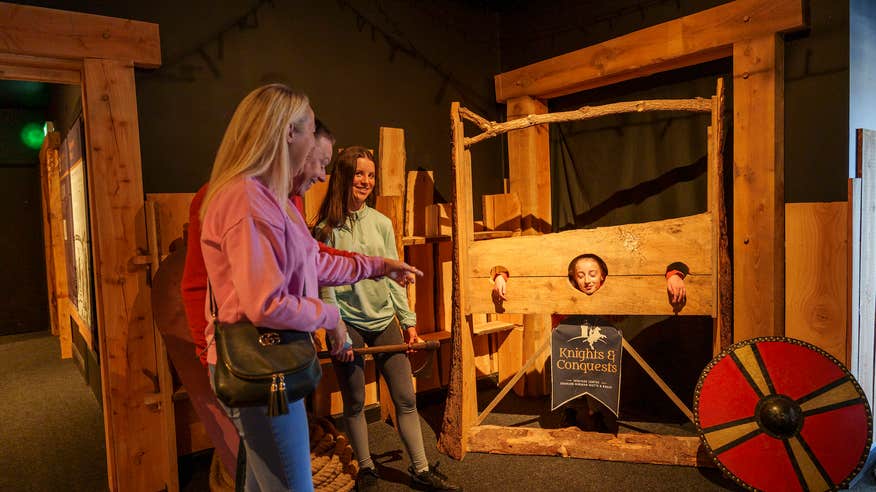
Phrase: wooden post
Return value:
(135, 441)
(59, 256)
(461, 409)
(758, 188)
(419, 194)
(530, 177)
(48, 158)
(722, 280)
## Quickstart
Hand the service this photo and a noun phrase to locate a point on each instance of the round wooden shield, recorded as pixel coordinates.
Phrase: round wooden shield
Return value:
(781, 414)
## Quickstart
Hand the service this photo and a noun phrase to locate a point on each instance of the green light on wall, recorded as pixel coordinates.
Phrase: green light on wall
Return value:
(32, 135)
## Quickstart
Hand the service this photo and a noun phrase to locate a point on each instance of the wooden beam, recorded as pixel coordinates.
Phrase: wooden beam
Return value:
(136, 451)
(625, 294)
(530, 179)
(492, 129)
(690, 40)
(40, 69)
(48, 159)
(758, 188)
(722, 291)
(816, 240)
(645, 248)
(59, 255)
(391, 162)
(529, 166)
(37, 31)
(571, 442)
(461, 408)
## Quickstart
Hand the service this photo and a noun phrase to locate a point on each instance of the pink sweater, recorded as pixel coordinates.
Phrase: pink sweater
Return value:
(264, 266)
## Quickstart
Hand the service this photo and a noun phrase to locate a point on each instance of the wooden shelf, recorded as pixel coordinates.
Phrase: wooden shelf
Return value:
(480, 235)
(441, 336)
(414, 240)
(491, 327)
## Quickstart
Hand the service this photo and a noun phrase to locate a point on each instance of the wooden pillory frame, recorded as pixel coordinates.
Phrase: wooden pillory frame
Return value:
(637, 255)
(749, 32)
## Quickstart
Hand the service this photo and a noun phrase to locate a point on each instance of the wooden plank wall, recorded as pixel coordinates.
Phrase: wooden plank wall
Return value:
(863, 364)
(817, 275)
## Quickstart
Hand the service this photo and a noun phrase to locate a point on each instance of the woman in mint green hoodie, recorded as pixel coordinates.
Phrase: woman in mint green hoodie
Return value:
(376, 313)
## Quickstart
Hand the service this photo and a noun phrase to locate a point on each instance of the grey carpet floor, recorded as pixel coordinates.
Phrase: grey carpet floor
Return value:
(504, 473)
(51, 439)
(51, 426)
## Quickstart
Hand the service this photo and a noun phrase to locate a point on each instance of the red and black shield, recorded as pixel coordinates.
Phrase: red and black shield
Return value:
(781, 414)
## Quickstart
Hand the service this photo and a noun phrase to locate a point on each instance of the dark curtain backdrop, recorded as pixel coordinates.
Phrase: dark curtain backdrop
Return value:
(634, 167)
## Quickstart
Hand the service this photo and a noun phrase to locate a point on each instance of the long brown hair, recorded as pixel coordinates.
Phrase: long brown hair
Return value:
(336, 206)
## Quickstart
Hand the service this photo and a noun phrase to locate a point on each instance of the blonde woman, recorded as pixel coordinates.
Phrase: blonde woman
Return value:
(264, 266)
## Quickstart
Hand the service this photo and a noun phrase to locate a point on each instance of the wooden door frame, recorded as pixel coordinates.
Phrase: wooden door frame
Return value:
(99, 54)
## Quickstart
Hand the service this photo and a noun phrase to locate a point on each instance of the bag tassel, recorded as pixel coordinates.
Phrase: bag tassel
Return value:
(277, 402)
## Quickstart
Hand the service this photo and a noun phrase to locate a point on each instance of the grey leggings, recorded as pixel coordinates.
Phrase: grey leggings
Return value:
(396, 370)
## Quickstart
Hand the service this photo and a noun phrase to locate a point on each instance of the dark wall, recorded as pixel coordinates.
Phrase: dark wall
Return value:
(64, 106)
(364, 64)
(23, 297)
(398, 63)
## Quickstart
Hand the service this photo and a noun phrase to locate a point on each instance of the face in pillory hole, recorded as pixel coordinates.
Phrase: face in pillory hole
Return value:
(587, 273)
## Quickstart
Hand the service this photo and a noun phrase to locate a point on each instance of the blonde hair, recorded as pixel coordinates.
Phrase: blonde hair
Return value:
(254, 144)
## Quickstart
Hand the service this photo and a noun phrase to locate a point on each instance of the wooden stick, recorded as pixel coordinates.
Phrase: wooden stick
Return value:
(492, 129)
(475, 118)
(657, 379)
(386, 349)
(544, 346)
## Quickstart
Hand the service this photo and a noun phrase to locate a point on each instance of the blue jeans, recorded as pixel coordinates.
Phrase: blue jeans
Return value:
(277, 448)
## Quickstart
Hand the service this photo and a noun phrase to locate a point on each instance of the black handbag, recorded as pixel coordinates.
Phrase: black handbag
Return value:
(262, 366)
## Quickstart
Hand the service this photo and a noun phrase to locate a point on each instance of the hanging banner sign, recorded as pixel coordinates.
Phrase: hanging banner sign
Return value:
(586, 360)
